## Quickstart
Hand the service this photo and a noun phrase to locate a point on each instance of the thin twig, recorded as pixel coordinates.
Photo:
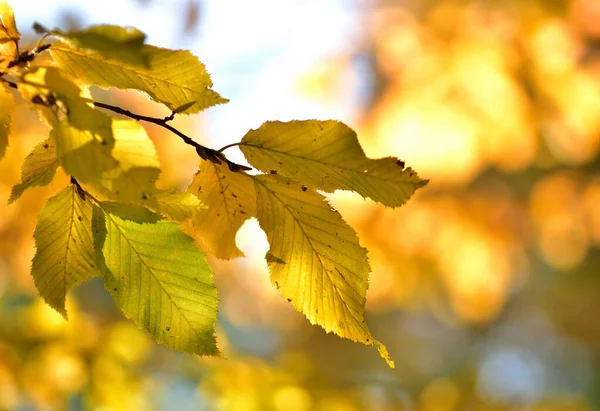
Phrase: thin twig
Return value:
(204, 152)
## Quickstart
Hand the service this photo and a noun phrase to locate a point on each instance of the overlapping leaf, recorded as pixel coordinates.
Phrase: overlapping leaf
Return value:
(173, 77)
(158, 277)
(178, 206)
(6, 107)
(315, 259)
(65, 253)
(38, 169)
(125, 44)
(9, 36)
(230, 199)
(113, 155)
(326, 155)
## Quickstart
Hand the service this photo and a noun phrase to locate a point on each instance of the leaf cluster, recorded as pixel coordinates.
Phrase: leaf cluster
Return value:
(113, 222)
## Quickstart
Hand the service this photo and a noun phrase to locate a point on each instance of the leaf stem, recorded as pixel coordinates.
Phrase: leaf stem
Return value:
(228, 146)
(203, 152)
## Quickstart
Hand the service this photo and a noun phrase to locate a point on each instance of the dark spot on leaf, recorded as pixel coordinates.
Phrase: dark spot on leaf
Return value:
(289, 300)
(280, 163)
(79, 218)
(233, 195)
(46, 145)
(218, 214)
(273, 259)
(273, 171)
(304, 188)
(368, 340)
(400, 163)
(114, 289)
(168, 328)
(242, 211)
(276, 285)
(144, 196)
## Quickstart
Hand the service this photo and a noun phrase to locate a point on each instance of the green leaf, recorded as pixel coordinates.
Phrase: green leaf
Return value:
(315, 259)
(326, 155)
(230, 199)
(38, 169)
(174, 77)
(125, 44)
(65, 253)
(6, 108)
(158, 277)
(178, 206)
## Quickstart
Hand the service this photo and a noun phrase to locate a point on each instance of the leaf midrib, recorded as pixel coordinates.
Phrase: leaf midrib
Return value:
(344, 305)
(335, 166)
(127, 68)
(150, 270)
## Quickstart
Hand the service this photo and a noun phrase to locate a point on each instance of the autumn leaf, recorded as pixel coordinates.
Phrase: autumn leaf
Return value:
(9, 36)
(157, 276)
(230, 200)
(178, 206)
(326, 155)
(173, 77)
(65, 253)
(315, 259)
(38, 168)
(6, 108)
(115, 156)
(125, 44)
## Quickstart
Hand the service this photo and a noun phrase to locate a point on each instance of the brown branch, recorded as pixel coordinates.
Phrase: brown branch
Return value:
(205, 153)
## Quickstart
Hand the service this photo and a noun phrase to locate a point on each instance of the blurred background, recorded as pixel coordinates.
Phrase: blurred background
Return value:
(485, 286)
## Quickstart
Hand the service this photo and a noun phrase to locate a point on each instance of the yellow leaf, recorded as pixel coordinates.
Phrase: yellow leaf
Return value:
(6, 107)
(315, 259)
(38, 168)
(230, 199)
(173, 77)
(326, 155)
(9, 36)
(115, 156)
(64, 247)
(124, 44)
(178, 206)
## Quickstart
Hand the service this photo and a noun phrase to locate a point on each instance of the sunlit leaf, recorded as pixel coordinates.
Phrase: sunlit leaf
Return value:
(158, 277)
(125, 44)
(6, 108)
(9, 36)
(230, 199)
(116, 156)
(326, 155)
(178, 206)
(315, 259)
(38, 169)
(138, 166)
(174, 77)
(65, 253)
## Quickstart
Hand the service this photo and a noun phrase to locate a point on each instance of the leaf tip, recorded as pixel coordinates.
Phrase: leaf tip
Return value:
(383, 353)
